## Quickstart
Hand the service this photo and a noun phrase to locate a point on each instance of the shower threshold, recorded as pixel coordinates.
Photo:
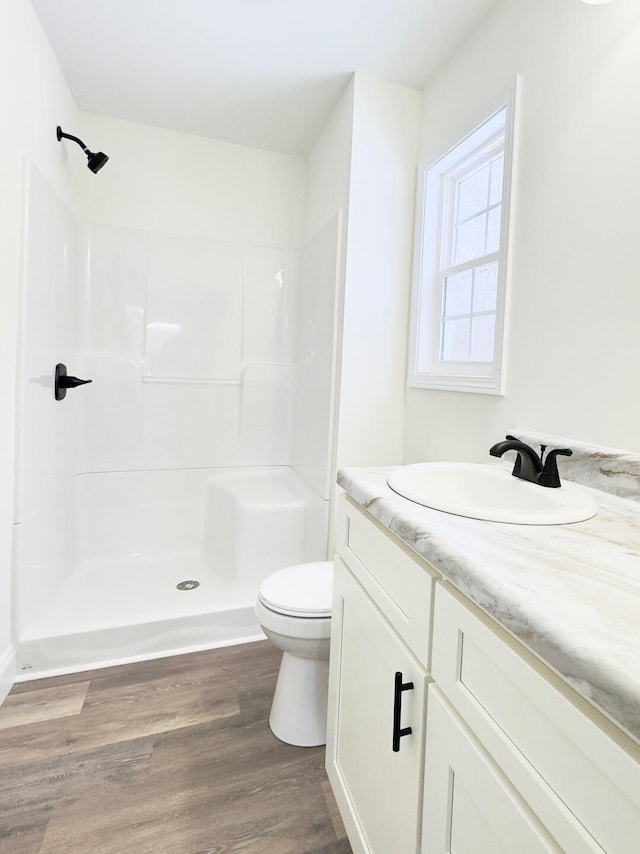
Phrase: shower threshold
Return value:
(119, 611)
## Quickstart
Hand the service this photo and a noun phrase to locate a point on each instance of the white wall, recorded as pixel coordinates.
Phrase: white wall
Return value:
(386, 120)
(363, 164)
(573, 348)
(34, 100)
(164, 181)
(329, 167)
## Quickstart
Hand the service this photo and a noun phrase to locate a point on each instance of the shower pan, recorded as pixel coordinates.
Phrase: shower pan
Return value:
(151, 504)
(170, 561)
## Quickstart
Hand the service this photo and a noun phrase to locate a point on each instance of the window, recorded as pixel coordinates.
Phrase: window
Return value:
(460, 286)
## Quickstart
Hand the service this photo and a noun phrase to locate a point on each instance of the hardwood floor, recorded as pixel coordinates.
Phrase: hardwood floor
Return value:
(172, 756)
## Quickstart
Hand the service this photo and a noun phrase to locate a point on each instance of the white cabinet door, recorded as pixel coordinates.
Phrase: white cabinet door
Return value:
(378, 789)
(469, 805)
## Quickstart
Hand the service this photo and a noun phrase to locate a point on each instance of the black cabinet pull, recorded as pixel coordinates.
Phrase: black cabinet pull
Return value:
(398, 733)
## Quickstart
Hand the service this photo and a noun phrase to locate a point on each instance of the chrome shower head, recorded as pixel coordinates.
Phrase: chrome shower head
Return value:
(95, 160)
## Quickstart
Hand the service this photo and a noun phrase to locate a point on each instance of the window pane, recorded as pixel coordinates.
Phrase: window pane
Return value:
(472, 193)
(457, 294)
(485, 287)
(497, 168)
(455, 340)
(470, 240)
(493, 230)
(483, 334)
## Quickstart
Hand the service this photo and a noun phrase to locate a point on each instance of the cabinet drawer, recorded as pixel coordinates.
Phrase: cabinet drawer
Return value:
(564, 758)
(400, 584)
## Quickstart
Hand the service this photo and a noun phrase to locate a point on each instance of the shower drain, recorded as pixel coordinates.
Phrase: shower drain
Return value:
(187, 585)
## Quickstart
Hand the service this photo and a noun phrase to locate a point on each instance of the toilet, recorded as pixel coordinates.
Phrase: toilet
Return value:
(294, 611)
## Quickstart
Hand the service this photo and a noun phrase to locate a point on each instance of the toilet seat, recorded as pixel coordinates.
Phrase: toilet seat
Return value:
(303, 590)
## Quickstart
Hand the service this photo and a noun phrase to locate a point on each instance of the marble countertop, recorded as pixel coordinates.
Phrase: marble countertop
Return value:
(571, 593)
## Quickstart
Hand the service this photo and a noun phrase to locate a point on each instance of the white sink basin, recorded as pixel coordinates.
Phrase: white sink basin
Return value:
(490, 492)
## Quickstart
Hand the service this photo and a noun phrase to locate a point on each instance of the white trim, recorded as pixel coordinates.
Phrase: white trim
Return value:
(488, 377)
(7, 673)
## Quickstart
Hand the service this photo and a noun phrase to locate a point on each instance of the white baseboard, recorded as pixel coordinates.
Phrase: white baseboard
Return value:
(7, 672)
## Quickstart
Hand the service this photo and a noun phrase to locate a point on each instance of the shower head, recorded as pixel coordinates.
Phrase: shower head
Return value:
(95, 160)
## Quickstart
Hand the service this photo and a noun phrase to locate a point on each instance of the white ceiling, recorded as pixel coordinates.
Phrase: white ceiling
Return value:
(262, 73)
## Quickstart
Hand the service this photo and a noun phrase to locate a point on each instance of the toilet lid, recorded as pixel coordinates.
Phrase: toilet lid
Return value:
(304, 590)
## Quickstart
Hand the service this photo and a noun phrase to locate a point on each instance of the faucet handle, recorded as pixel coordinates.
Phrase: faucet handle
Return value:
(549, 475)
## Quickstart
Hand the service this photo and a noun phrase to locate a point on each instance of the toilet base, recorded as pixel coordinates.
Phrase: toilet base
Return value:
(299, 709)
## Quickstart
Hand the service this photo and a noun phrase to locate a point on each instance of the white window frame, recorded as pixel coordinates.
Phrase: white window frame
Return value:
(426, 369)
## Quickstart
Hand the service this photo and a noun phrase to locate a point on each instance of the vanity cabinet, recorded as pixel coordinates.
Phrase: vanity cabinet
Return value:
(576, 771)
(503, 755)
(379, 665)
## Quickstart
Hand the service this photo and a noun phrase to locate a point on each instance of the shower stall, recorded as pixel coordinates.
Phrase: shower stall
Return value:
(152, 502)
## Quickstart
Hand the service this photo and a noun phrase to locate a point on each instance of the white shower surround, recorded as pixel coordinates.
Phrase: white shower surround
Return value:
(213, 363)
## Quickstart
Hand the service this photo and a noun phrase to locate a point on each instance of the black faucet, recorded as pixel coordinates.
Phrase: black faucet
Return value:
(529, 465)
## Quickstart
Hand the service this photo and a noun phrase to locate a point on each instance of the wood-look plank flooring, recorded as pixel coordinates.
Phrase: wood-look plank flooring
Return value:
(173, 756)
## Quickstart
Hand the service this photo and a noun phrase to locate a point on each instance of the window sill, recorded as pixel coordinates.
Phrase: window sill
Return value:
(474, 385)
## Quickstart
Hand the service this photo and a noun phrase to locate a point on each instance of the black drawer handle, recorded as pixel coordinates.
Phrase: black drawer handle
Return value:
(398, 733)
